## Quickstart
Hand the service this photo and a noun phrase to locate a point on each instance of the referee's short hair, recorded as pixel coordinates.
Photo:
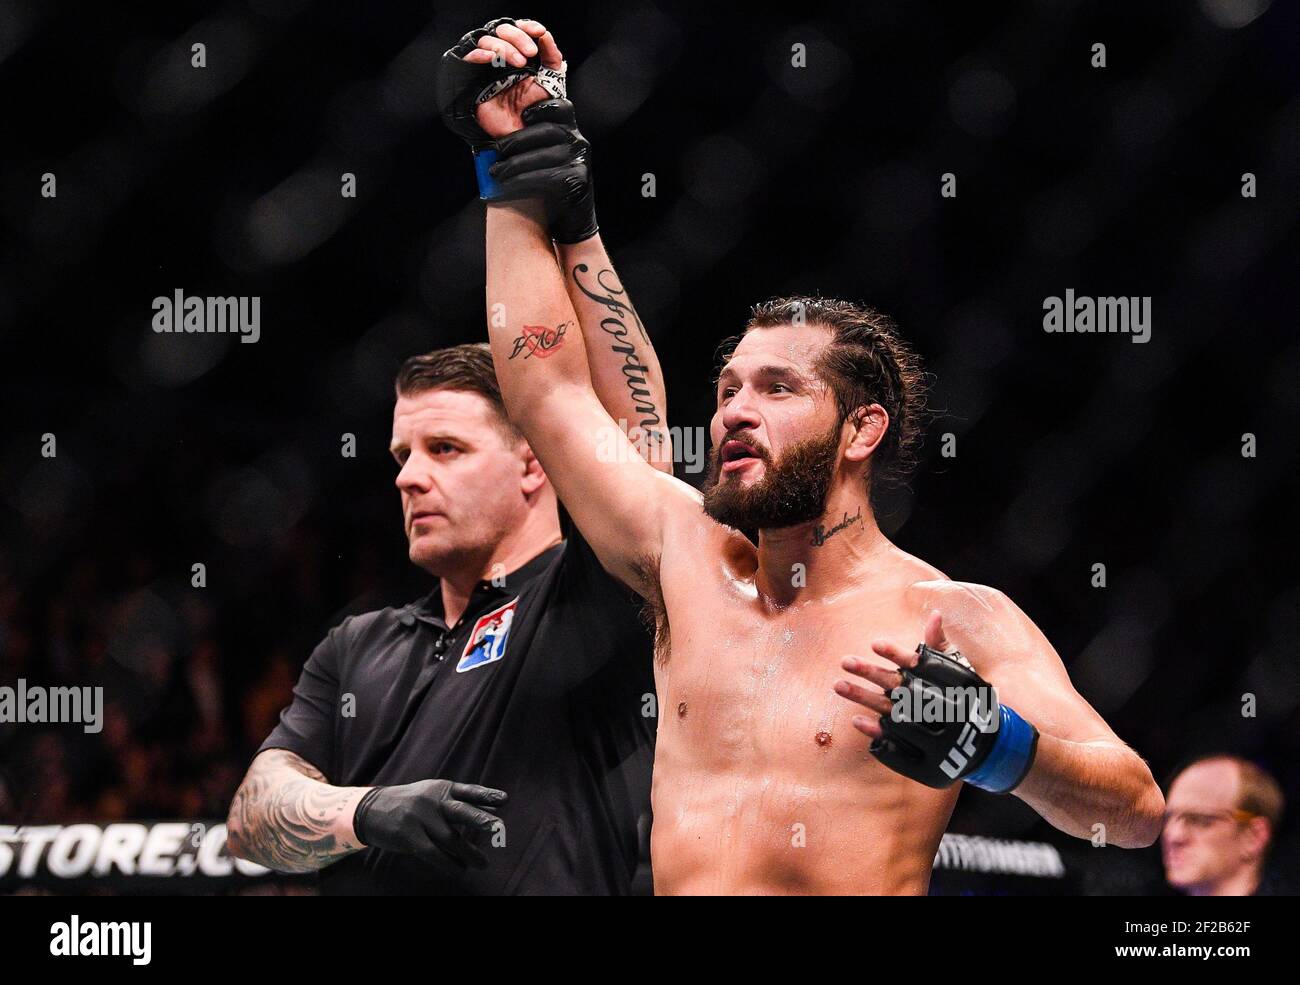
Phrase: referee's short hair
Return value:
(458, 367)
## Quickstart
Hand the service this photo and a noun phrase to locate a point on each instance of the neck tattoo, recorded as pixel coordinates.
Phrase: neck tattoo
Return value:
(821, 535)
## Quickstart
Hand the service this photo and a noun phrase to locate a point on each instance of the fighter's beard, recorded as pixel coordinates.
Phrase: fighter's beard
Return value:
(793, 490)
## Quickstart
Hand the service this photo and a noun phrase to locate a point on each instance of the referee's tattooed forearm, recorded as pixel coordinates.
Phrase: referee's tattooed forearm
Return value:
(284, 815)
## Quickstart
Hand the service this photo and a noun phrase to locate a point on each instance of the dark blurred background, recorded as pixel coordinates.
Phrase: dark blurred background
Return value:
(1072, 450)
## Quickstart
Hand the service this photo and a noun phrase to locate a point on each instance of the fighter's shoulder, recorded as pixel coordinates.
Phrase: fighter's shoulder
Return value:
(961, 601)
(981, 612)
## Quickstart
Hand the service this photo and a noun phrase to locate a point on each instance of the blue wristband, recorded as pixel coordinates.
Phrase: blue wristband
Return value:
(1010, 758)
(488, 188)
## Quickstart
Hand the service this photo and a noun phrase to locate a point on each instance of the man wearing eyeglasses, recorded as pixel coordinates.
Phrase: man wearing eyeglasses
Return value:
(1221, 814)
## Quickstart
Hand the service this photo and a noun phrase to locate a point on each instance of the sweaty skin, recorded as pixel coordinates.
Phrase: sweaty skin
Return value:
(765, 786)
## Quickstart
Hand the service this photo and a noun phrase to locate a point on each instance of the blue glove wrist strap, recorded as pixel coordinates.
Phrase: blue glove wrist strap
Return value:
(1011, 756)
(488, 188)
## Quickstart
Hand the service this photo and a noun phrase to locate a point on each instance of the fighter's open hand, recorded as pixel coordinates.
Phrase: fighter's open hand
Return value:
(876, 698)
(935, 720)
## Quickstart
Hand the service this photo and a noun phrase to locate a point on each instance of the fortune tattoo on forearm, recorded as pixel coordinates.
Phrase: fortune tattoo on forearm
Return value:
(635, 373)
(539, 341)
(613, 298)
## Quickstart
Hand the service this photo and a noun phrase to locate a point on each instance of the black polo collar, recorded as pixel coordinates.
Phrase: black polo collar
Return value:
(429, 609)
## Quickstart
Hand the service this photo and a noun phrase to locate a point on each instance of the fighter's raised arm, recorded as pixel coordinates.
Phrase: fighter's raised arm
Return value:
(539, 153)
(619, 502)
(615, 498)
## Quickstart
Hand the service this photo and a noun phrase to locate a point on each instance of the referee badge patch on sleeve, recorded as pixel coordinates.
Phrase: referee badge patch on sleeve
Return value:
(487, 641)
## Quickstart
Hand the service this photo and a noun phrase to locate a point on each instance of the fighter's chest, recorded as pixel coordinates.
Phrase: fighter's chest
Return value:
(740, 681)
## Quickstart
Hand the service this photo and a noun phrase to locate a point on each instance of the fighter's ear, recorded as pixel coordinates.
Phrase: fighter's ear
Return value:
(534, 477)
(868, 426)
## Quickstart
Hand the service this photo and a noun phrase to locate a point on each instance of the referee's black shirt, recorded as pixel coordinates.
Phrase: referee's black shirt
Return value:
(542, 689)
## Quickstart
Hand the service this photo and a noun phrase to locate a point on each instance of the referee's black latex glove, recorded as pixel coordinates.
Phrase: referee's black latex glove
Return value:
(551, 160)
(436, 820)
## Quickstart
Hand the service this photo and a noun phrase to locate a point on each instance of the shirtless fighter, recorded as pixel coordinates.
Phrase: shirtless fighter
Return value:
(776, 771)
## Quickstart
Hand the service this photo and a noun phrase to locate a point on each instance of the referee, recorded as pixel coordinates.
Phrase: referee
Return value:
(496, 736)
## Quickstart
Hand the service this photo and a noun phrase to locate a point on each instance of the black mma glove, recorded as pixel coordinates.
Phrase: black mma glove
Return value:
(946, 724)
(433, 819)
(551, 160)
